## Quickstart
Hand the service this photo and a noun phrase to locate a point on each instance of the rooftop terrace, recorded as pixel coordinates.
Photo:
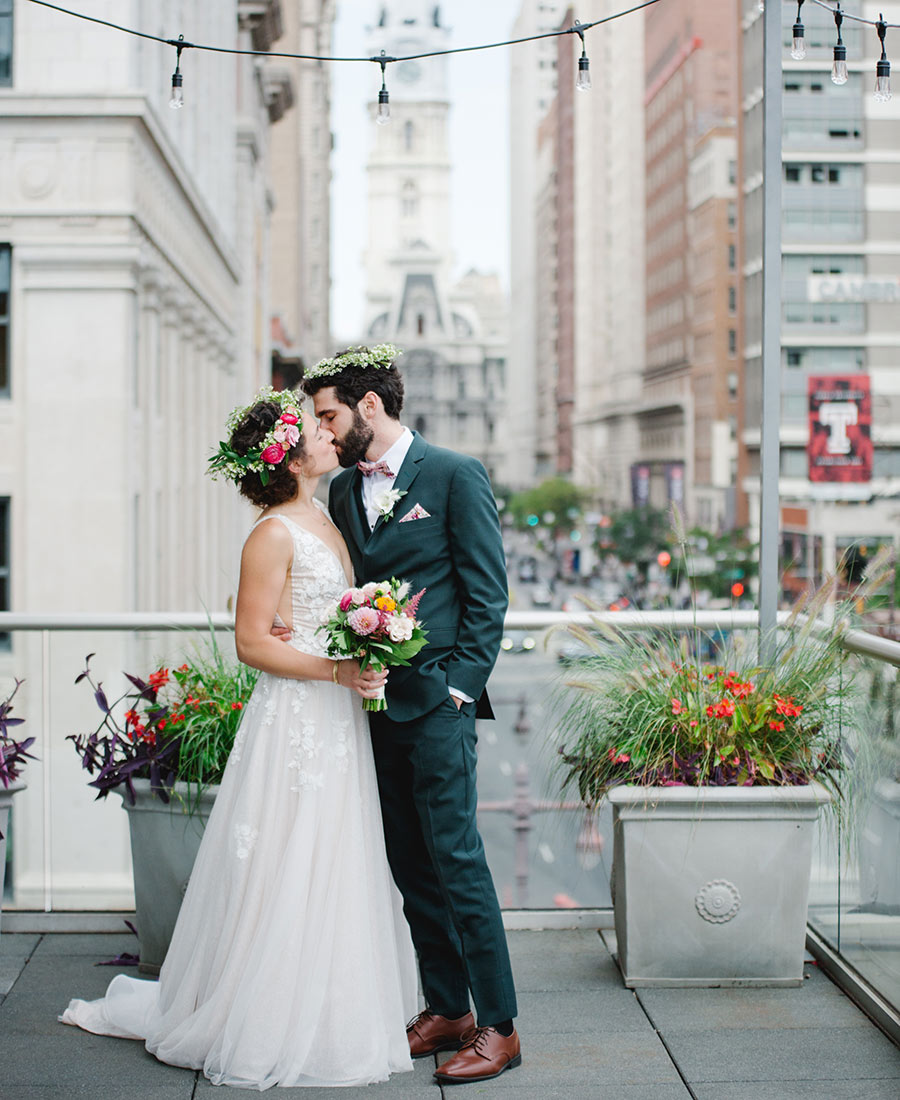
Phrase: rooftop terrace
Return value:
(583, 1034)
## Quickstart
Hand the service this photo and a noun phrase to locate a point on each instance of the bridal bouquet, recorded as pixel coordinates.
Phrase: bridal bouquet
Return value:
(376, 625)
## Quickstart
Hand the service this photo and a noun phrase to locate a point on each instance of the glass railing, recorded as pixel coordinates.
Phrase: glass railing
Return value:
(68, 852)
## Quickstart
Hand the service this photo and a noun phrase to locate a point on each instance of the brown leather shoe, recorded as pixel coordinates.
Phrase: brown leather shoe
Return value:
(428, 1033)
(485, 1054)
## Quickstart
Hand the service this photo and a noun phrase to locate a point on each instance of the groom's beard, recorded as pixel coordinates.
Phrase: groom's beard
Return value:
(356, 442)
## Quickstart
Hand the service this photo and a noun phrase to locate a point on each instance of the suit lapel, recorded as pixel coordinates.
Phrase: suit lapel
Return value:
(406, 475)
(355, 526)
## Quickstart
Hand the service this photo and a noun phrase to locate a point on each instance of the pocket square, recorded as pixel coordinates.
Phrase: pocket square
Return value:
(416, 512)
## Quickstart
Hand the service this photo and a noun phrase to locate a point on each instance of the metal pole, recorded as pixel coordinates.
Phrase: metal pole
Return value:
(769, 455)
(522, 827)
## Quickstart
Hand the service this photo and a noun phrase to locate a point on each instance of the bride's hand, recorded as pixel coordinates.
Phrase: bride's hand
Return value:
(367, 684)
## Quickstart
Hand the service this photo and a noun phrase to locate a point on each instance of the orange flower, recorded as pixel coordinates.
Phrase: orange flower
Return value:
(158, 678)
(773, 725)
(385, 603)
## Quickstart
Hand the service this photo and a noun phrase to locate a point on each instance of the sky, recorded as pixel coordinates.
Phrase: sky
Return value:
(479, 91)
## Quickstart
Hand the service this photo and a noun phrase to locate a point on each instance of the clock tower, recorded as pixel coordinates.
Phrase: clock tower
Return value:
(409, 256)
(454, 335)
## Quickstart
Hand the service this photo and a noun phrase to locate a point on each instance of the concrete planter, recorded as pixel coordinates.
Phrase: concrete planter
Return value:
(6, 797)
(879, 843)
(164, 844)
(711, 883)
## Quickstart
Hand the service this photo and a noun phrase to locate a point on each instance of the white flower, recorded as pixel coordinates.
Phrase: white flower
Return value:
(400, 628)
(369, 590)
(386, 501)
(403, 591)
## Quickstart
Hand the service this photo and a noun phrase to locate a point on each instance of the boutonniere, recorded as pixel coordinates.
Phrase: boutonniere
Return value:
(386, 501)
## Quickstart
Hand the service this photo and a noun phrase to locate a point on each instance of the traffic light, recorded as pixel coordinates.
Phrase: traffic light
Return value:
(737, 590)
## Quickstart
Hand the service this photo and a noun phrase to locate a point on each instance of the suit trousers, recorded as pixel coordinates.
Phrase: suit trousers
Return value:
(426, 780)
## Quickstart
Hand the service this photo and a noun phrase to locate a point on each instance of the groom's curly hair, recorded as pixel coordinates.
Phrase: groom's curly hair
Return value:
(352, 384)
(282, 485)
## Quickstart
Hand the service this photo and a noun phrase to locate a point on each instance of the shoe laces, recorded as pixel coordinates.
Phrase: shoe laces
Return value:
(477, 1039)
(419, 1018)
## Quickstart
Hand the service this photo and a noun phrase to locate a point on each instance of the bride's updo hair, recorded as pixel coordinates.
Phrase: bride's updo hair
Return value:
(249, 433)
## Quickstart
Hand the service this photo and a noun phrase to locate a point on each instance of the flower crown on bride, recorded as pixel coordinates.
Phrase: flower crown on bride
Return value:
(382, 355)
(271, 449)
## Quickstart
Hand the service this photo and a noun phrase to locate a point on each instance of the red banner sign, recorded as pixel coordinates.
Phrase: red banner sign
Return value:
(840, 428)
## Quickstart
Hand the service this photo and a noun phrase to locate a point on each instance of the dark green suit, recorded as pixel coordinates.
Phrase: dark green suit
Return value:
(424, 747)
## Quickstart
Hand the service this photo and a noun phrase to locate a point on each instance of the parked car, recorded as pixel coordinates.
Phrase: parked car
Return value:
(528, 570)
(541, 596)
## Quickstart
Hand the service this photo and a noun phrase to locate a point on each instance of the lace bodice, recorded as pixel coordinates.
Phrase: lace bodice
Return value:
(317, 580)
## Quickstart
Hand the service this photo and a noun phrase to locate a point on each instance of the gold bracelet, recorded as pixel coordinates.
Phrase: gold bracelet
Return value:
(334, 672)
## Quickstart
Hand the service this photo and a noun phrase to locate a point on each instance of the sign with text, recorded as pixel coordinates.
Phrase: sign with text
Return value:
(840, 428)
(853, 288)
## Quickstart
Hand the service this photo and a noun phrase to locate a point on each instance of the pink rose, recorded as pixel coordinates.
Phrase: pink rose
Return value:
(346, 600)
(364, 620)
(291, 435)
(273, 454)
(289, 417)
(358, 595)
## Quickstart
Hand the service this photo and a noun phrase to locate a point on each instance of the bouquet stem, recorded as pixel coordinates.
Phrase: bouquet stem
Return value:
(378, 703)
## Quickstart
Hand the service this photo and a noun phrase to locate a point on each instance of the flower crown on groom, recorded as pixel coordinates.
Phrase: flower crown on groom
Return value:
(382, 355)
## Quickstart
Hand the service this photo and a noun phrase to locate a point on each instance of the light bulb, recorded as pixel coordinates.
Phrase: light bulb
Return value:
(882, 81)
(176, 100)
(384, 108)
(798, 43)
(839, 68)
(583, 83)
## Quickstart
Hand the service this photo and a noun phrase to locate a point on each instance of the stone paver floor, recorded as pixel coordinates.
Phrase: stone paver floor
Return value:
(583, 1035)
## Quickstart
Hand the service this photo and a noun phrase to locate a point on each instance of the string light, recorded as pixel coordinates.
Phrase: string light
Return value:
(176, 101)
(883, 66)
(583, 82)
(383, 117)
(839, 67)
(798, 40)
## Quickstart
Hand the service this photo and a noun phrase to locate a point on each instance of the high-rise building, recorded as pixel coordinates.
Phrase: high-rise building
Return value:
(301, 184)
(840, 287)
(689, 401)
(532, 95)
(454, 335)
(587, 214)
(134, 265)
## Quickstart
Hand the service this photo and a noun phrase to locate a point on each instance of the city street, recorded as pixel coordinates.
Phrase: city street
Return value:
(558, 875)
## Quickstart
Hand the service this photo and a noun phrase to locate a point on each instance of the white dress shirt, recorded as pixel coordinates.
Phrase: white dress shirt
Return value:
(376, 483)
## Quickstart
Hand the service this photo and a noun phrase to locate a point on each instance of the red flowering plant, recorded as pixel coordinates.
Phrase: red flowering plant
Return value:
(650, 711)
(177, 725)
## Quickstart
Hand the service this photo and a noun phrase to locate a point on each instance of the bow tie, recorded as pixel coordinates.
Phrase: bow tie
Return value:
(369, 468)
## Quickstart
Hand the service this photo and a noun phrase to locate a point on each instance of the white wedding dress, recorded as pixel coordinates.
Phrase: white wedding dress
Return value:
(291, 962)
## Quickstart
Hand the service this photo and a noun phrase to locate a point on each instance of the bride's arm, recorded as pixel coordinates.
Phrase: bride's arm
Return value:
(265, 562)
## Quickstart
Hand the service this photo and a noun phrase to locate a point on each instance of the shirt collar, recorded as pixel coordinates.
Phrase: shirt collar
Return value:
(397, 452)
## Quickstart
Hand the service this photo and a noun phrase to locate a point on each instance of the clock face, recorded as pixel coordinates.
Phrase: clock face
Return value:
(408, 71)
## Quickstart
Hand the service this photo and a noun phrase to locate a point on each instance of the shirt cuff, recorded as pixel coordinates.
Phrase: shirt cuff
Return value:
(456, 693)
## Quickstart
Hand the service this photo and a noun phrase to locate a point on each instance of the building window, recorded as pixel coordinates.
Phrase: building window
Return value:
(732, 342)
(420, 324)
(732, 385)
(6, 42)
(732, 171)
(732, 299)
(4, 565)
(792, 173)
(732, 257)
(409, 136)
(794, 357)
(419, 425)
(5, 266)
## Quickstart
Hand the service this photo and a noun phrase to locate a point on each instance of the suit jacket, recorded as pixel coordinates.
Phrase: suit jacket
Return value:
(456, 554)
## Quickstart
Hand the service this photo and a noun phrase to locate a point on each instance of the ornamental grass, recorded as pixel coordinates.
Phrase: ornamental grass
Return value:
(650, 711)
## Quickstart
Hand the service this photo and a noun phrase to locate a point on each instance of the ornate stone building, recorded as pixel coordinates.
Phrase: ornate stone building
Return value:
(454, 332)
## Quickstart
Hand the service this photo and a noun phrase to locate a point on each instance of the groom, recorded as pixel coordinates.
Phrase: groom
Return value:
(427, 515)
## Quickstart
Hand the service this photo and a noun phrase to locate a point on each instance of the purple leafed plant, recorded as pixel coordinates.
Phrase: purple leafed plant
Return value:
(13, 753)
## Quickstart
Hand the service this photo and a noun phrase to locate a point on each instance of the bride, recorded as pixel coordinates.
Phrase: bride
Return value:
(291, 963)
